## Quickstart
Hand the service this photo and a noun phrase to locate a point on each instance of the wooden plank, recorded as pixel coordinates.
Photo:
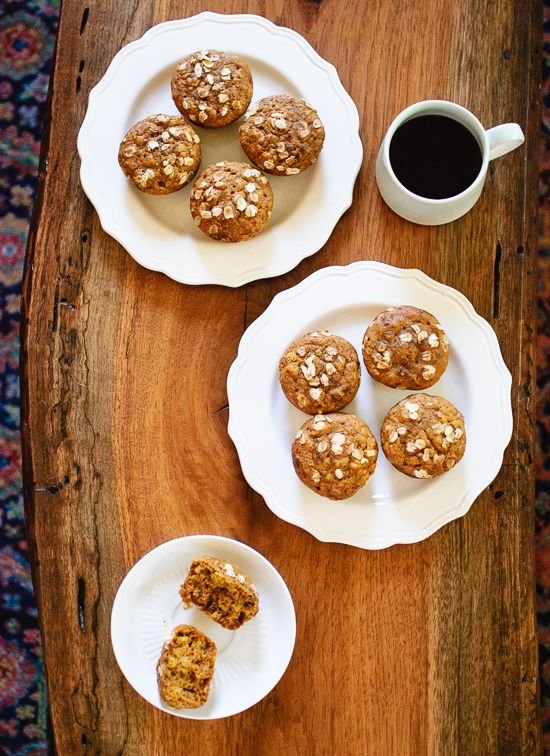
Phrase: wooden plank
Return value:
(428, 648)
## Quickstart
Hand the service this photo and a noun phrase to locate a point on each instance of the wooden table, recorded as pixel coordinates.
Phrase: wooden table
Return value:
(428, 648)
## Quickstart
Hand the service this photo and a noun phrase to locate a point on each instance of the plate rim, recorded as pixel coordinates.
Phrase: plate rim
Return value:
(188, 713)
(470, 492)
(132, 245)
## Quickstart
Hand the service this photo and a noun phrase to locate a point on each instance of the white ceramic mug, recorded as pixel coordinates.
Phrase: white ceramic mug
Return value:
(433, 212)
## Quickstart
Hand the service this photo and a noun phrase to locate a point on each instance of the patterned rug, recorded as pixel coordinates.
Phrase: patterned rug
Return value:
(27, 33)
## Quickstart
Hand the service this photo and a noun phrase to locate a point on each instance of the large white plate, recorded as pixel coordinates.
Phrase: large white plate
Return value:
(158, 231)
(391, 508)
(250, 661)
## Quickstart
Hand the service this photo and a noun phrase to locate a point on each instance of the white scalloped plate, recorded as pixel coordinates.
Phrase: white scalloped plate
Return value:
(249, 662)
(391, 508)
(158, 231)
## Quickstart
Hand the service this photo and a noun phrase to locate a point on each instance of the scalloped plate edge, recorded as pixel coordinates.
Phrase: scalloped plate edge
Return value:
(131, 244)
(466, 499)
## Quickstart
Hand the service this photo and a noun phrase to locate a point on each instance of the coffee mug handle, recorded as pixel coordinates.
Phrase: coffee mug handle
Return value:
(503, 139)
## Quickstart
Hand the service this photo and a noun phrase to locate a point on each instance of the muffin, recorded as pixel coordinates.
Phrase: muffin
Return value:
(335, 454)
(160, 154)
(282, 135)
(423, 436)
(405, 348)
(231, 202)
(212, 88)
(221, 590)
(185, 668)
(319, 373)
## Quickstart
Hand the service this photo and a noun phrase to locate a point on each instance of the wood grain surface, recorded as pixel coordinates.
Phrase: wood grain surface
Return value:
(427, 648)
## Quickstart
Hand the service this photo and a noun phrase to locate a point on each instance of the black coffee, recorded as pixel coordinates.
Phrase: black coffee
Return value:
(435, 156)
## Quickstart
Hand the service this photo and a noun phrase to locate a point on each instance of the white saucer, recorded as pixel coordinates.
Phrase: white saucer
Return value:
(250, 661)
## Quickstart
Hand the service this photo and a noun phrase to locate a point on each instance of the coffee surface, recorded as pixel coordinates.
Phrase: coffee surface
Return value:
(435, 157)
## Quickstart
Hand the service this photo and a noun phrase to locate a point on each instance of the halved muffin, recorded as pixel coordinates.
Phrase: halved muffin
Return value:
(186, 668)
(221, 590)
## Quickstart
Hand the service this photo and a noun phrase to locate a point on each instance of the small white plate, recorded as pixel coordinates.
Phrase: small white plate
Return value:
(391, 507)
(250, 661)
(158, 231)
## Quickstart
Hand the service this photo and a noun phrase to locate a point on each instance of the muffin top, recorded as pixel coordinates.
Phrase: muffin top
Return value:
(319, 372)
(334, 454)
(231, 201)
(405, 348)
(282, 135)
(160, 154)
(212, 88)
(423, 436)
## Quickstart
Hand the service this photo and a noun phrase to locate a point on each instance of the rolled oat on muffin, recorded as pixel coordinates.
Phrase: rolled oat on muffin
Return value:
(221, 590)
(405, 348)
(423, 436)
(212, 88)
(186, 668)
(319, 372)
(160, 154)
(334, 454)
(282, 135)
(231, 202)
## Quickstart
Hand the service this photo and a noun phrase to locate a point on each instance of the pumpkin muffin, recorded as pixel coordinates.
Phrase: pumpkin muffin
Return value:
(221, 590)
(423, 436)
(319, 372)
(282, 135)
(186, 668)
(231, 202)
(160, 154)
(405, 348)
(212, 88)
(334, 454)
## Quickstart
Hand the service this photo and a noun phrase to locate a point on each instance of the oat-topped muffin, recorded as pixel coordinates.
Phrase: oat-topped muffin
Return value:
(186, 667)
(160, 154)
(221, 590)
(231, 202)
(319, 372)
(334, 454)
(282, 135)
(405, 348)
(212, 88)
(423, 436)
